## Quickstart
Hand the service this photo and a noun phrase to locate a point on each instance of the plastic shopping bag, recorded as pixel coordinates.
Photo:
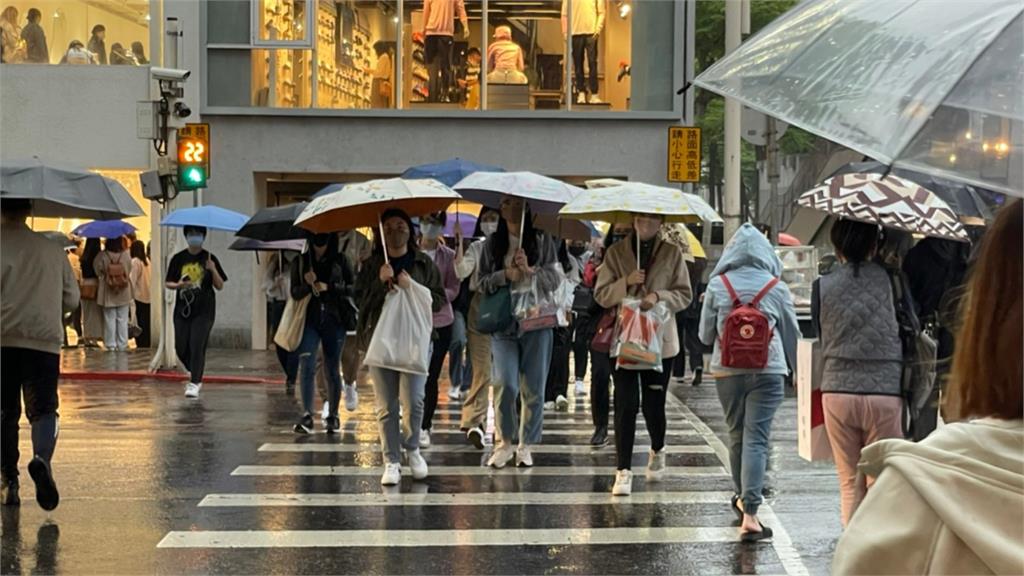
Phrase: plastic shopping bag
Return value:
(532, 310)
(638, 340)
(564, 297)
(401, 339)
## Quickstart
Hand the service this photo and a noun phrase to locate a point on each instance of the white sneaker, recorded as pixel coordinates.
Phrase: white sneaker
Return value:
(549, 405)
(561, 403)
(623, 483)
(192, 389)
(424, 438)
(503, 454)
(581, 390)
(351, 397)
(595, 100)
(326, 411)
(418, 465)
(523, 457)
(581, 98)
(392, 474)
(655, 465)
(454, 393)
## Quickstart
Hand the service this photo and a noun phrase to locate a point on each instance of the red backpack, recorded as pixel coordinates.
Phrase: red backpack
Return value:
(747, 334)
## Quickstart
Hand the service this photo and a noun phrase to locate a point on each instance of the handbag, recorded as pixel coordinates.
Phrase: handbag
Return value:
(293, 324)
(495, 314)
(605, 334)
(582, 299)
(533, 310)
(88, 289)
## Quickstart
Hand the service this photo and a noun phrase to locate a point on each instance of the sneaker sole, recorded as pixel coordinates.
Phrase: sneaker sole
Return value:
(300, 429)
(500, 465)
(476, 439)
(615, 493)
(46, 489)
(389, 483)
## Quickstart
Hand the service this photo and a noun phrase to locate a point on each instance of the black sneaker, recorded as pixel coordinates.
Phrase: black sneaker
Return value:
(46, 488)
(289, 388)
(305, 424)
(697, 374)
(9, 492)
(332, 424)
(600, 437)
(476, 437)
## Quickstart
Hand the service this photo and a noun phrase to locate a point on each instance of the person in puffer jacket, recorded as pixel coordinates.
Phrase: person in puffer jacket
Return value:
(750, 397)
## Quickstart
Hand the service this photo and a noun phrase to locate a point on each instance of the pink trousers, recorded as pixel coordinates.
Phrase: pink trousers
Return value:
(852, 422)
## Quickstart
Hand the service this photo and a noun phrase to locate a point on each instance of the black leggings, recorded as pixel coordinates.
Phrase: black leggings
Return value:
(31, 374)
(600, 377)
(440, 350)
(630, 386)
(191, 336)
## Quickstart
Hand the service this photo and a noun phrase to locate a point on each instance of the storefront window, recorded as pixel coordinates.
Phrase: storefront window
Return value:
(573, 55)
(96, 32)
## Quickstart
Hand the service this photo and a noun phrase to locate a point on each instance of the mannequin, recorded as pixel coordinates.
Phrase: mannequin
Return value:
(439, 31)
(587, 23)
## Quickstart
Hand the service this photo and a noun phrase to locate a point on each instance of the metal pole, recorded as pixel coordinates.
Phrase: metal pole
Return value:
(731, 210)
(772, 160)
(399, 76)
(485, 24)
(567, 68)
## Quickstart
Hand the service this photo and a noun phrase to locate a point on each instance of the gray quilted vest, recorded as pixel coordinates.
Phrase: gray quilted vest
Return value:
(860, 340)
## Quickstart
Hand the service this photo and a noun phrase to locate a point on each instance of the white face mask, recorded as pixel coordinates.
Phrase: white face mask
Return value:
(432, 231)
(488, 228)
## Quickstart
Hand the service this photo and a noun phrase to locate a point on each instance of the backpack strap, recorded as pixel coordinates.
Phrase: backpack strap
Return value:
(732, 292)
(764, 291)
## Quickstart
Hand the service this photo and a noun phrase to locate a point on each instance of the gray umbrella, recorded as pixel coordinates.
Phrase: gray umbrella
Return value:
(62, 191)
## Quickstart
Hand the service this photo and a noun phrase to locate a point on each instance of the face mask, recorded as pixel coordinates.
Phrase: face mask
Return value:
(432, 231)
(195, 240)
(321, 240)
(488, 228)
(396, 238)
(577, 250)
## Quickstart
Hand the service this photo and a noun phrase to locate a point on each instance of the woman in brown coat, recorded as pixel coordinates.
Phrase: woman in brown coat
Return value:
(661, 276)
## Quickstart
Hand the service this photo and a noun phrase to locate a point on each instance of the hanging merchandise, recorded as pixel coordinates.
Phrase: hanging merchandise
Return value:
(638, 341)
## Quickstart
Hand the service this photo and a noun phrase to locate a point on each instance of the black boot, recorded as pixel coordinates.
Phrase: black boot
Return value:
(697, 374)
(9, 492)
(46, 488)
(600, 437)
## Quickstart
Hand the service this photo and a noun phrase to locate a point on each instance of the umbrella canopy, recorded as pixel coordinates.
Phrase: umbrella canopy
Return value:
(618, 204)
(209, 216)
(104, 229)
(890, 201)
(466, 223)
(274, 223)
(61, 191)
(344, 207)
(60, 238)
(932, 85)
(968, 202)
(252, 245)
(449, 172)
(697, 204)
(789, 240)
(545, 195)
(681, 236)
(556, 227)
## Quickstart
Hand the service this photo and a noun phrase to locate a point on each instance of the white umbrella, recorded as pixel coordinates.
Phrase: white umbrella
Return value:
(698, 205)
(545, 195)
(935, 86)
(891, 202)
(618, 204)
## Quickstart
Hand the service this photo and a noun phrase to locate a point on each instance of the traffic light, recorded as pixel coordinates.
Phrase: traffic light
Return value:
(193, 156)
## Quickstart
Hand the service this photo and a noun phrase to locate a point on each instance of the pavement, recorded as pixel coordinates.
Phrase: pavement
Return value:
(154, 483)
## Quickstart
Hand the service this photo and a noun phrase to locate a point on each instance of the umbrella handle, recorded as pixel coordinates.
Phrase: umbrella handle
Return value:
(522, 223)
(383, 244)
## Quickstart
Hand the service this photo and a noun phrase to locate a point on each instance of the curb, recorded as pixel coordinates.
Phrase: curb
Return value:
(163, 376)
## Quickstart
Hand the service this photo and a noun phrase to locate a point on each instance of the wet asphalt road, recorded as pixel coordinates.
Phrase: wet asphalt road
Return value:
(154, 483)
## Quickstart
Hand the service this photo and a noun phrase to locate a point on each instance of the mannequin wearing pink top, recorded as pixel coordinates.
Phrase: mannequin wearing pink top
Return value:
(505, 59)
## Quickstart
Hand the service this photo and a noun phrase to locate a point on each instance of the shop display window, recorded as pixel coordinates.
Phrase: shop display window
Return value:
(356, 55)
(282, 78)
(89, 32)
(283, 22)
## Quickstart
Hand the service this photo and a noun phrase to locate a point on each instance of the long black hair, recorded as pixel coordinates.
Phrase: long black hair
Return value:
(854, 241)
(89, 254)
(378, 242)
(138, 250)
(484, 210)
(500, 245)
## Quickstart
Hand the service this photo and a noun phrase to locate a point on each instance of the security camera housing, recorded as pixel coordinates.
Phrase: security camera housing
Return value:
(169, 74)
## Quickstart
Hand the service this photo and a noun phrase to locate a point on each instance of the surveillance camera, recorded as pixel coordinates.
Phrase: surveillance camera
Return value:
(181, 110)
(169, 74)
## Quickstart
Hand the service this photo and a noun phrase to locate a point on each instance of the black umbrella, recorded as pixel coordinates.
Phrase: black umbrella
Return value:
(274, 223)
(965, 200)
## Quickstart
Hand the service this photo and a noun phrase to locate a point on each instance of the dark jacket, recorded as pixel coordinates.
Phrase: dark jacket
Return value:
(335, 301)
(35, 44)
(372, 292)
(99, 48)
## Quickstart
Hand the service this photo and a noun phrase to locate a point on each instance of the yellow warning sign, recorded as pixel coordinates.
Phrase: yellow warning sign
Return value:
(683, 154)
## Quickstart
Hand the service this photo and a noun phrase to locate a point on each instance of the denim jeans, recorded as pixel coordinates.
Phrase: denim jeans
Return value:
(326, 332)
(519, 371)
(391, 387)
(457, 362)
(749, 402)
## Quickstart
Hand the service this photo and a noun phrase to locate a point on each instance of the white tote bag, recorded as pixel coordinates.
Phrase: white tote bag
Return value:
(401, 339)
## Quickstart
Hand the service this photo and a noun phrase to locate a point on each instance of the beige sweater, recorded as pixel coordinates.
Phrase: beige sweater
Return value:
(36, 286)
(106, 297)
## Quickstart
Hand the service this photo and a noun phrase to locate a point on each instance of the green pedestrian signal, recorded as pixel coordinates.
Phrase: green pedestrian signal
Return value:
(193, 156)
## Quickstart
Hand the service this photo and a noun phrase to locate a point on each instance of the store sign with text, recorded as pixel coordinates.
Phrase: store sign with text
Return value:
(683, 154)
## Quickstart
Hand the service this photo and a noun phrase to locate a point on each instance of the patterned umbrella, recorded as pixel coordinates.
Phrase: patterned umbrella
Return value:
(344, 207)
(545, 195)
(699, 205)
(618, 204)
(891, 202)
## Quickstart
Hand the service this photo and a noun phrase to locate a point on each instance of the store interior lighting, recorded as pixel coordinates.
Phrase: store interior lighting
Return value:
(624, 8)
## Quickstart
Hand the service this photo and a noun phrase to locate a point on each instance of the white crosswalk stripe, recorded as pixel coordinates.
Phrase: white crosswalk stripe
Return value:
(466, 449)
(460, 499)
(259, 470)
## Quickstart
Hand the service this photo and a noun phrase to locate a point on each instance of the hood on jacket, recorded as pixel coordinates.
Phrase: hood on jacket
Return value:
(971, 474)
(749, 247)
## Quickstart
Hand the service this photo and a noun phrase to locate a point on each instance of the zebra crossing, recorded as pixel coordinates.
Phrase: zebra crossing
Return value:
(315, 503)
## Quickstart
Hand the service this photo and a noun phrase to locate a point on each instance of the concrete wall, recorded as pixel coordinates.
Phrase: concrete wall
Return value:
(82, 115)
(244, 145)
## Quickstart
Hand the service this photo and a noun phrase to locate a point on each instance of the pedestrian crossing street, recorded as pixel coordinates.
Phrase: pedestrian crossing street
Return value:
(315, 503)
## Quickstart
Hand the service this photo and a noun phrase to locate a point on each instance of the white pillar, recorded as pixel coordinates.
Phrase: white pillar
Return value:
(731, 208)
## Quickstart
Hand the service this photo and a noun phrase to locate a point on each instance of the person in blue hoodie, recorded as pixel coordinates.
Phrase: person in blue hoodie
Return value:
(750, 397)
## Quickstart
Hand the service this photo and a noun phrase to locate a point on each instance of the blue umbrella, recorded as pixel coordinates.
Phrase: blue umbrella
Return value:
(449, 172)
(212, 217)
(104, 229)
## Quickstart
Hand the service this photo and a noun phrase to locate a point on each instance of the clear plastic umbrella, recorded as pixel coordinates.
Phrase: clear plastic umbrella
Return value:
(930, 85)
